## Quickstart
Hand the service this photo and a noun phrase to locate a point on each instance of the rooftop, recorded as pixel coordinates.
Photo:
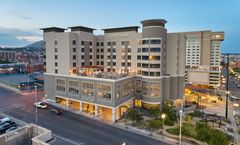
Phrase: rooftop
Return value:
(121, 29)
(81, 28)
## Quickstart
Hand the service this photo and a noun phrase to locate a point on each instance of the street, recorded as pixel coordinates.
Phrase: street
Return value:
(69, 128)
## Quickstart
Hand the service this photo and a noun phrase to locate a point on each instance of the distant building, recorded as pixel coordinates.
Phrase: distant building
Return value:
(7, 55)
(203, 57)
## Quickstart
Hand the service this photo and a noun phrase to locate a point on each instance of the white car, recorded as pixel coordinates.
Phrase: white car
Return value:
(41, 105)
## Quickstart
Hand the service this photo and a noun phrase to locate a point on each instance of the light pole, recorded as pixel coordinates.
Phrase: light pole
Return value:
(36, 109)
(163, 116)
(226, 115)
(180, 128)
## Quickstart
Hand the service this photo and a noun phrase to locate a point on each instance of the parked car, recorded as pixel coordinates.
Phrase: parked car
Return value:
(40, 105)
(238, 85)
(11, 129)
(234, 97)
(56, 111)
(6, 126)
(4, 120)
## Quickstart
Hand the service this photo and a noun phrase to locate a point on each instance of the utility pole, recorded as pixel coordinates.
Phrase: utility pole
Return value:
(227, 91)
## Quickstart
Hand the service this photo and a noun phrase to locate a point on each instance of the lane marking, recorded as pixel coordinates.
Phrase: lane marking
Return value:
(11, 107)
(68, 140)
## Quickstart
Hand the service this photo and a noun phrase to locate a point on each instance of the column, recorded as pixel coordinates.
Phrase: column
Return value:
(80, 106)
(113, 115)
(96, 110)
(66, 102)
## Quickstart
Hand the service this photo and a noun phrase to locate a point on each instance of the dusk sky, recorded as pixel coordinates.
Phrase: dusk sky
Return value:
(20, 20)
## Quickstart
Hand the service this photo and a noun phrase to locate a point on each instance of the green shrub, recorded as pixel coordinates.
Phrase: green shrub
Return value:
(155, 124)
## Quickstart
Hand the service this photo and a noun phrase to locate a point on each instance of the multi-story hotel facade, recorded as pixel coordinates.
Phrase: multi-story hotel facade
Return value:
(104, 75)
(203, 57)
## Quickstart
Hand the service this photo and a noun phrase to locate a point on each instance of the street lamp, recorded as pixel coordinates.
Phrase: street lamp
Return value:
(180, 128)
(36, 109)
(163, 116)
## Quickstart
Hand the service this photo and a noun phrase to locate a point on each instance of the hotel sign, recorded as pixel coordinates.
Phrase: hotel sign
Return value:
(117, 34)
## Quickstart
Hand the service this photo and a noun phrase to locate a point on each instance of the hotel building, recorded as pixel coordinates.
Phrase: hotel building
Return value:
(203, 57)
(104, 75)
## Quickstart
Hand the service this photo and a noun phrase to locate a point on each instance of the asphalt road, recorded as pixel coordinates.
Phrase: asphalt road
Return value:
(69, 128)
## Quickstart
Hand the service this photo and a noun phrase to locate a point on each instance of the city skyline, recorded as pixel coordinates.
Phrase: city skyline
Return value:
(21, 20)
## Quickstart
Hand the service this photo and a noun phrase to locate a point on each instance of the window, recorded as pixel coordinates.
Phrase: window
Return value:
(102, 50)
(155, 49)
(82, 63)
(139, 57)
(114, 56)
(102, 44)
(56, 71)
(74, 64)
(118, 92)
(128, 88)
(104, 92)
(138, 64)
(82, 42)
(90, 50)
(55, 50)
(144, 49)
(98, 63)
(87, 89)
(97, 56)
(74, 57)
(82, 56)
(90, 56)
(56, 64)
(102, 63)
(154, 65)
(60, 85)
(90, 43)
(154, 57)
(55, 42)
(139, 50)
(144, 57)
(151, 89)
(74, 42)
(82, 50)
(155, 41)
(56, 57)
(102, 56)
(73, 87)
(144, 65)
(145, 42)
(97, 44)
(129, 56)
(74, 49)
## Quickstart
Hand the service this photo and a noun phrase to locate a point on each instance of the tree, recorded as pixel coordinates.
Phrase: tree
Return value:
(154, 113)
(134, 115)
(171, 113)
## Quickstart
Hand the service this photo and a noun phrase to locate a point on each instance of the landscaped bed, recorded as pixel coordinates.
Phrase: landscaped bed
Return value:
(203, 132)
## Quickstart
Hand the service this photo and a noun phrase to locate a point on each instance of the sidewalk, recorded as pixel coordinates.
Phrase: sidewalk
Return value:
(123, 127)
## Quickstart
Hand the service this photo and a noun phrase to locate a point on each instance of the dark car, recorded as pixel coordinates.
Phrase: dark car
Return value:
(56, 111)
(6, 126)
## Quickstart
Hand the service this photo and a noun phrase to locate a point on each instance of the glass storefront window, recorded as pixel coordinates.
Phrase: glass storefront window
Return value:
(104, 92)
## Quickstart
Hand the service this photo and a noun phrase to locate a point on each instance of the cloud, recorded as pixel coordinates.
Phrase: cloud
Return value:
(30, 38)
(12, 37)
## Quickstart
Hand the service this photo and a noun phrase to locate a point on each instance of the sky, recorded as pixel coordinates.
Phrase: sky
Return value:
(20, 20)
